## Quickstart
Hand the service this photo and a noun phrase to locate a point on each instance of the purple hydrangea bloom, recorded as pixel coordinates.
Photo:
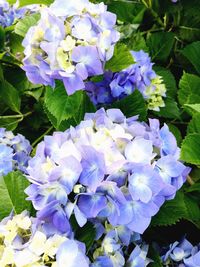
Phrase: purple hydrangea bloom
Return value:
(110, 168)
(71, 42)
(14, 152)
(140, 75)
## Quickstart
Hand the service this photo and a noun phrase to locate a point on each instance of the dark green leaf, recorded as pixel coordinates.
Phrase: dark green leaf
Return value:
(133, 104)
(176, 133)
(192, 53)
(160, 45)
(127, 11)
(193, 210)
(154, 255)
(170, 110)
(2, 38)
(190, 149)
(168, 79)
(121, 59)
(10, 96)
(86, 234)
(171, 212)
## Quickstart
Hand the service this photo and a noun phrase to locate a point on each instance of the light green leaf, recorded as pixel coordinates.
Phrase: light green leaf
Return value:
(194, 125)
(190, 149)
(10, 96)
(193, 107)
(31, 2)
(192, 53)
(189, 92)
(12, 196)
(121, 59)
(24, 24)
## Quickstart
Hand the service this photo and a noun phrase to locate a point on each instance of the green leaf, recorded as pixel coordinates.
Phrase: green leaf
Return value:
(168, 79)
(10, 96)
(36, 93)
(24, 24)
(193, 107)
(9, 123)
(194, 125)
(171, 212)
(176, 133)
(154, 255)
(133, 104)
(64, 110)
(12, 196)
(160, 45)
(192, 53)
(193, 188)
(121, 59)
(31, 2)
(170, 110)
(127, 11)
(60, 105)
(2, 38)
(189, 92)
(190, 149)
(86, 234)
(193, 210)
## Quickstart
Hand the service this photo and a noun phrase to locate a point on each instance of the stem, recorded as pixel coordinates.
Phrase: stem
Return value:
(190, 181)
(41, 137)
(16, 116)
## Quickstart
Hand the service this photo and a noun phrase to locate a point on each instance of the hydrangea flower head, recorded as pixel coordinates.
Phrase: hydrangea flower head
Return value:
(110, 167)
(25, 243)
(71, 42)
(14, 152)
(139, 75)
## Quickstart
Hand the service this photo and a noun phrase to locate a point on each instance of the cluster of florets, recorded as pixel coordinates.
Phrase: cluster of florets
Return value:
(71, 42)
(182, 254)
(115, 247)
(109, 168)
(139, 75)
(25, 243)
(10, 13)
(14, 152)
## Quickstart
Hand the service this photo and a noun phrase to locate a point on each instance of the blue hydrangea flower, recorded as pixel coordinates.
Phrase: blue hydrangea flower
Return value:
(25, 242)
(109, 168)
(10, 13)
(140, 75)
(14, 152)
(71, 42)
(182, 254)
